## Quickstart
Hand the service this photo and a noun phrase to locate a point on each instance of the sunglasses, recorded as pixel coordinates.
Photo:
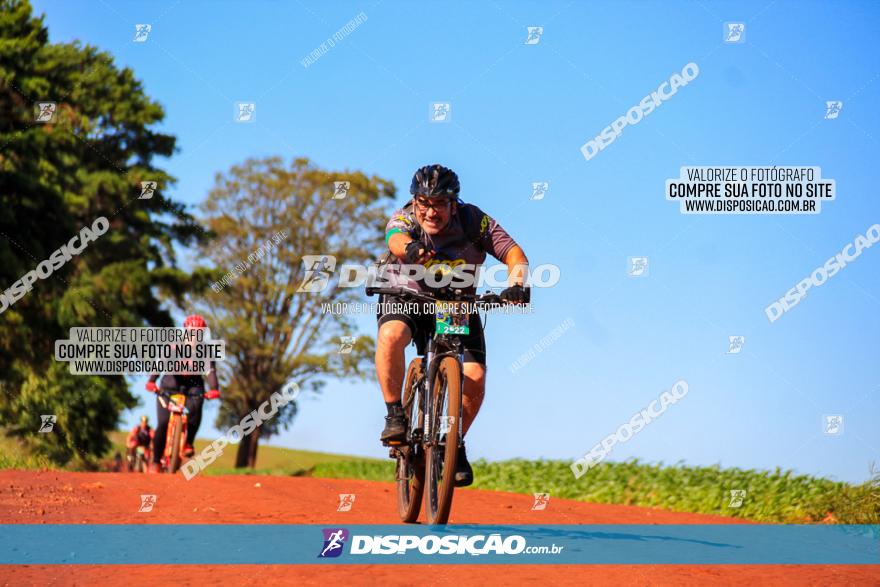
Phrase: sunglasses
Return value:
(435, 204)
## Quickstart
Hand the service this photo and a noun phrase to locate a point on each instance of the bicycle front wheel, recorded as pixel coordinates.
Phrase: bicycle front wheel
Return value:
(442, 445)
(410, 458)
(176, 433)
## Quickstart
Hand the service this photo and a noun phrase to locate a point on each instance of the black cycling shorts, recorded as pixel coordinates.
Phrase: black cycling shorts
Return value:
(420, 319)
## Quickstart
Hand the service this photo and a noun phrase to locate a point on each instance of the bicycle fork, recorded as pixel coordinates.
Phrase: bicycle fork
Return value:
(431, 406)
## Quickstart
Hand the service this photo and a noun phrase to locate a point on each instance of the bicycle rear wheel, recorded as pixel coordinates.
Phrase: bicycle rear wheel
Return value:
(176, 433)
(410, 457)
(442, 446)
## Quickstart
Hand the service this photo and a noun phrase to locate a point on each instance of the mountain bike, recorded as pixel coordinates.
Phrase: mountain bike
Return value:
(175, 437)
(138, 459)
(431, 400)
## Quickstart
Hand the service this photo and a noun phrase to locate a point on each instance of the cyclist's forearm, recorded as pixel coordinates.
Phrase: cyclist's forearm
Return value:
(397, 244)
(212, 376)
(517, 266)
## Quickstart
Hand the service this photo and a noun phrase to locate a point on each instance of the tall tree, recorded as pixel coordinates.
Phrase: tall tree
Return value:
(266, 216)
(62, 166)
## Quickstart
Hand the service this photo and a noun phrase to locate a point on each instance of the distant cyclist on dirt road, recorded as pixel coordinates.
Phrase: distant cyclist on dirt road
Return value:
(435, 227)
(190, 385)
(140, 435)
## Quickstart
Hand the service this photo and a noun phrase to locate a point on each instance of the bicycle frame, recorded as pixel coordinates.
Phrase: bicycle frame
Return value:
(438, 347)
(176, 406)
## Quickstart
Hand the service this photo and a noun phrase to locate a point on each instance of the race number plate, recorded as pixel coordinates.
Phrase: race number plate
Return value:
(452, 318)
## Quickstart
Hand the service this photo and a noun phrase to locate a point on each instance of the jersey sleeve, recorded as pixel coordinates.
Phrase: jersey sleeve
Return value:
(493, 238)
(401, 221)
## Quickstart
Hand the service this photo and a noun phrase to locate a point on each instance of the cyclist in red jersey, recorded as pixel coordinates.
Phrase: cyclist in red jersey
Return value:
(193, 387)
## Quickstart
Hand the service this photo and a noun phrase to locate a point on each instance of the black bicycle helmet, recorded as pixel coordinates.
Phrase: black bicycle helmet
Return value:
(433, 181)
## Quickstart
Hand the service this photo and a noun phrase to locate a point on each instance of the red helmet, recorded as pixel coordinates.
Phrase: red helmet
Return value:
(194, 321)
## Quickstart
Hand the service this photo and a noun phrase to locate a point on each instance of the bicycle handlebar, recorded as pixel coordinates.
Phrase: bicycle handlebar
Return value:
(168, 394)
(487, 299)
(162, 394)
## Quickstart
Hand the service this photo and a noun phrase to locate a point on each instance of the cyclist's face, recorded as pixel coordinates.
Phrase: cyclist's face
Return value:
(433, 213)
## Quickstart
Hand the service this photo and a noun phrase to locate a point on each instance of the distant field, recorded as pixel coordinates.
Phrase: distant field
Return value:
(271, 460)
(770, 496)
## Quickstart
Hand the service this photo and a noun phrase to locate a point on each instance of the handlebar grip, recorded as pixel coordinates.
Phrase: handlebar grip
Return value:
(383, 290)
(492, 299)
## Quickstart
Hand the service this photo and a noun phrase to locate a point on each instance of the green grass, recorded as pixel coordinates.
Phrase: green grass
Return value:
(771, 496)
(14, 455)
(271, 460)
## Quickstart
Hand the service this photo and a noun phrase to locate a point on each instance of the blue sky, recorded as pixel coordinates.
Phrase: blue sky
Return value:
(520, 114)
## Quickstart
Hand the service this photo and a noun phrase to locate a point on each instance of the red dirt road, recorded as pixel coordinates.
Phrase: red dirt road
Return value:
(51, 497)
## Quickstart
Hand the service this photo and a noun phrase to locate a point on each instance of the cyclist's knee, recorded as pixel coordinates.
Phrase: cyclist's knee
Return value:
(393, 335)
(475, 374)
